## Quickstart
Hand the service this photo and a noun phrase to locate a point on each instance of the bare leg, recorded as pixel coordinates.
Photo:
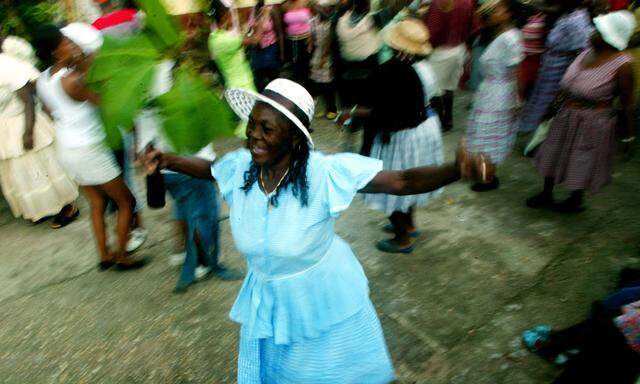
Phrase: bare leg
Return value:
(98, 204)
(401, 226)
(117, 190)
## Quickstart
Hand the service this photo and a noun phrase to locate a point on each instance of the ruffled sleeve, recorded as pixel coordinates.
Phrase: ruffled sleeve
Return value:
(229, 170)
(347, 173)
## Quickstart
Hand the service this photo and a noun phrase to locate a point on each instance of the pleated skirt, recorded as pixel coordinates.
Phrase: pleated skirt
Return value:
(352, 352)
(416, 147)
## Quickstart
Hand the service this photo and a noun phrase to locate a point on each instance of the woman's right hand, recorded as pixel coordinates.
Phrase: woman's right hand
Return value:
(153, 160)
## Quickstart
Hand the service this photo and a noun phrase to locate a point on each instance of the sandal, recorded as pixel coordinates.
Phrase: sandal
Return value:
(389, 246)
(389, 229)
(61, 220)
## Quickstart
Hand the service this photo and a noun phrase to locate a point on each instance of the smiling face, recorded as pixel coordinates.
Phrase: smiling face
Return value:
(270, 137)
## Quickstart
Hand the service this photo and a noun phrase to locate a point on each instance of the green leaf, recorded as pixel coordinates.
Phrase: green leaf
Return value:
(118, 55)
(123, 96)
(164, 28)
(193, 114)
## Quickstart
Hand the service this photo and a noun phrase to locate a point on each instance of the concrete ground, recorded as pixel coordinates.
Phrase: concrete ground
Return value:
(485, 268)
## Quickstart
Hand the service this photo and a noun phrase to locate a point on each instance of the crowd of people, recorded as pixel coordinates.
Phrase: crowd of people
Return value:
(562, 68)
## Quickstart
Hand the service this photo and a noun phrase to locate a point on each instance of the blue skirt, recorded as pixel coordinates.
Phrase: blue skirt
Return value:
(353, 352)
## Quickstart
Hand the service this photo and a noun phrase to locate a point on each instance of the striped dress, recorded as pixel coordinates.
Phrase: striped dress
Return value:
(570, 35)
(304, 306)
(578, 152)
(492, 122)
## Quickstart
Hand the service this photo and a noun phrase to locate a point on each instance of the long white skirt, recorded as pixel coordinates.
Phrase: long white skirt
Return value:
(35, 185)
(415, 147)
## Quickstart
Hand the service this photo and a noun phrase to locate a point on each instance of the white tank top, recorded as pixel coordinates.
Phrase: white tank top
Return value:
(78, 124)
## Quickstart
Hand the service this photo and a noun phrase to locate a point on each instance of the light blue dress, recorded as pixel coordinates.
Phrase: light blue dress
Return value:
(304, 307)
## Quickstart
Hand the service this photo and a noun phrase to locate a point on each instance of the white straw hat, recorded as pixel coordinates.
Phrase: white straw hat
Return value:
(616, 28)
(277, 93)
(88, 38)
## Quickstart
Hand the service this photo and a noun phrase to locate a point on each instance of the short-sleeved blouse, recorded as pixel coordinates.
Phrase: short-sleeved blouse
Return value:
(302, 278)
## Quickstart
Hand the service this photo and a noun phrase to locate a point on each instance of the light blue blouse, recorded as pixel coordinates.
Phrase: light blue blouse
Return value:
(302, 278)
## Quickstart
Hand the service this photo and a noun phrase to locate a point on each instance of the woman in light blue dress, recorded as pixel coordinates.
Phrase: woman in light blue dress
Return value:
(304, 307)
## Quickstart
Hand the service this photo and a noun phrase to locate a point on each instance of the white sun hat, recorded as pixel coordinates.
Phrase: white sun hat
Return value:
(278, 93)
(88, 38)
(616, 28)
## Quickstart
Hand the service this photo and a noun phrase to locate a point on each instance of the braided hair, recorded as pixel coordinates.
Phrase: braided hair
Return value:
(296, 178)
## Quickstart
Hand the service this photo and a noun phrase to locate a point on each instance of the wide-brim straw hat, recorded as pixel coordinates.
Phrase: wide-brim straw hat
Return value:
(409, 36)
(276, 94)
(616, 28)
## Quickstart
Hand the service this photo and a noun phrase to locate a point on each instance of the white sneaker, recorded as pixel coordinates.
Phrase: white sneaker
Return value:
(137, 237)
(201, 272)
(177, 259)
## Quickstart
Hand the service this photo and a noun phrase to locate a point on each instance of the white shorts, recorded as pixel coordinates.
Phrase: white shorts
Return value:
(89, 165)
(448, 65)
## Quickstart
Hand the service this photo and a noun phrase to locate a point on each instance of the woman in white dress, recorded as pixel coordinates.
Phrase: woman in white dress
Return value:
(81, 146)
(32, 181)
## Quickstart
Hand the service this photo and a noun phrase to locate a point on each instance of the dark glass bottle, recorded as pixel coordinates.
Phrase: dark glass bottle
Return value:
(155, 190)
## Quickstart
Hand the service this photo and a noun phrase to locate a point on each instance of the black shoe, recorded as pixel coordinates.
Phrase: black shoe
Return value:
(129, 265)
(486, 187)
(104, 265)
(541, 200)
(568, 206)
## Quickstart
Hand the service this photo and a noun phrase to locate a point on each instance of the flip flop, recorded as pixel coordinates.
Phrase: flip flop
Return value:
(62, 221)
(388, 228)
(389, 246)
(533, 337)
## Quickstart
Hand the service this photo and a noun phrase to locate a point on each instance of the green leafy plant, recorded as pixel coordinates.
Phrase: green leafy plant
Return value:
(122, 74)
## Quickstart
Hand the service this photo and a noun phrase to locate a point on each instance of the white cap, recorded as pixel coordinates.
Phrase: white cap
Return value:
(242, 102)
(616, 28)
(88, 38)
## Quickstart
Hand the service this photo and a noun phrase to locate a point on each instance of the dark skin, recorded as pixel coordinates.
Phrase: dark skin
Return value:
(270, 139)
(600, 55)
(69, 55)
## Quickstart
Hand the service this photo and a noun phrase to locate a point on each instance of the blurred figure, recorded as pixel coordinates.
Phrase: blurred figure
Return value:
(80, 137)
(605, 348)
(268, 53)
(401, 129)
(356, 41)
(33, 182)
(533, 36)
(492, 125)
(451, 23)
(123, 22)
(322, 72)
(297, 24)
(569, 35)
(227, 47)
(117, 21)
(578, 151)
(196, 200)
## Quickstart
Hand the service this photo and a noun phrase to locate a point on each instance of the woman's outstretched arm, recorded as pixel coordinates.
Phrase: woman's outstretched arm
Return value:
(192, 166)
